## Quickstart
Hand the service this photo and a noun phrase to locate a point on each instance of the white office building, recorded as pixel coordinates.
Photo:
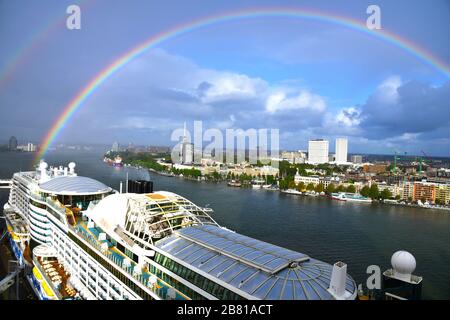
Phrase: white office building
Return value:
(115, 147)
(341, 150)
(187, 153)
(186, 149)
(318, 151)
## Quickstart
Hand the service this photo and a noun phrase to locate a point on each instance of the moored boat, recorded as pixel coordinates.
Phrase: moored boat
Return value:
(351, 197)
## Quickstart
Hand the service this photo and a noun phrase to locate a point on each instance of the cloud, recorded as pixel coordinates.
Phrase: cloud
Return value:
(412, 107)
(222, 86)
(171, 89)
(281, 101)
(159, 91)
(401, 114)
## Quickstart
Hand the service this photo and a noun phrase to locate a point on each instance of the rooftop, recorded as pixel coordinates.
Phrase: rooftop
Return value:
(74, 185)
(259, 269)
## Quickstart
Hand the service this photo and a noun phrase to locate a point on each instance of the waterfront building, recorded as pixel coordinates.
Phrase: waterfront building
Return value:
(30, 147)
(318, 151)
(443, 193)
(306, 179)
(326, 181)
(424, 191)
(392, 188)
(341, 150)
(88, 241)
(12, 145)
(406, 190)
(254, 171)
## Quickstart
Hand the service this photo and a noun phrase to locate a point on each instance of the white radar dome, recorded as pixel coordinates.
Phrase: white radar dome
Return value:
(72, 165)
(403, 262)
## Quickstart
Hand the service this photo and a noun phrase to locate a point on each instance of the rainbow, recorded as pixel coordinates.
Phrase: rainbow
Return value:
(159, 38)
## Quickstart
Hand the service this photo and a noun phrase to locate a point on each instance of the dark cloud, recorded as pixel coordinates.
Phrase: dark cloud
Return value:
(413, 107)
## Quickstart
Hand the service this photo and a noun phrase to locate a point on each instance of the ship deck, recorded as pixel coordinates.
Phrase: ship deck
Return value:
(124, 262)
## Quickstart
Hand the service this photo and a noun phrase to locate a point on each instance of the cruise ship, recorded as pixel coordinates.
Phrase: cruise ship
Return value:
(77, 238)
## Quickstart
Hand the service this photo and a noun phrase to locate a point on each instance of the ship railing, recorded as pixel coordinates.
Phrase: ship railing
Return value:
(143, 278)
(37, 196)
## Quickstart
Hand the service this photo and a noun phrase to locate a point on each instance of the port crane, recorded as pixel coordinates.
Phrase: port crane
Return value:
(404, 154)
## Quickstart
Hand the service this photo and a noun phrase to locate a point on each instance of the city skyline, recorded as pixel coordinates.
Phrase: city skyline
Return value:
(307, 77)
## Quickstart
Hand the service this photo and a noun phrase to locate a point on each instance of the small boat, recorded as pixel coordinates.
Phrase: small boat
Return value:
(234, 183)
(166, 174)
(258, 184)
(292, 191)
(352, 197)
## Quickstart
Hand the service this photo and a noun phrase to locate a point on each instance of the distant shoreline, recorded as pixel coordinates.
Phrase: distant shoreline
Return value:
(306, 195)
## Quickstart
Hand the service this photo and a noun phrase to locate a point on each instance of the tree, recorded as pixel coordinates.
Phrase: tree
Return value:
(291, 184)
(283, 184)
(365, 191)
(351, 189)
(301, 187)
(331, 188)
(385, 194)
(319, 188)
(310, 186)
(374, 192)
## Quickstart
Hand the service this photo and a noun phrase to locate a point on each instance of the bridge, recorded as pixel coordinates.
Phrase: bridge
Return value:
(5, 184)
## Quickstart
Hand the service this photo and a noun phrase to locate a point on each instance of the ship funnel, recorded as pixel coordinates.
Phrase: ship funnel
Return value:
(43, 170)
(338, 279)
(72, 166)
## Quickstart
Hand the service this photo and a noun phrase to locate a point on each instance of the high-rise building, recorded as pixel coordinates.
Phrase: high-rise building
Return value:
(341, 150)
(31, 147)
(187, 150)
(318, 151)
(115, 147)
(12, 146)
(357, 158)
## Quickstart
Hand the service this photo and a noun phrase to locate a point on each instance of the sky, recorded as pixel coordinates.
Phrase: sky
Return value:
(308, 78)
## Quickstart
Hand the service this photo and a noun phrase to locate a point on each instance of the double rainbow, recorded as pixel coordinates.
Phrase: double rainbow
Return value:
(157, 39)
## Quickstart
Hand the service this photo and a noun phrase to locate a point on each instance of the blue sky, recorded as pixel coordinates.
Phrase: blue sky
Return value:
(309, 78)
